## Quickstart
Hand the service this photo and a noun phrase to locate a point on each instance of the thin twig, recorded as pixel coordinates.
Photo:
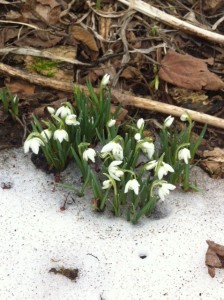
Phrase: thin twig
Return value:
(172, 21)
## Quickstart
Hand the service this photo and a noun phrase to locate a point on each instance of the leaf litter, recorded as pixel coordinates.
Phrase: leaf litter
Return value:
(86, 42)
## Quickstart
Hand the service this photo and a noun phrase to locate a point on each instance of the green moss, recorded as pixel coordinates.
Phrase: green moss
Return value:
(45, 67)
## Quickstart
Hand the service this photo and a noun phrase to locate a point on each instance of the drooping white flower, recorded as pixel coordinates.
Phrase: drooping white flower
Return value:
(165, 189)
(168, 121)
(140, 123)
(108, 147)
(132, 185)
(163, 170)
(60, 135)
(106, 184)
(148, 148)
(46, 134)
(89, 154)
(184, 117)
(111, 123)
(63, 111)
(184, 154)
(151, 165)
(116, 150)
(137, 136)
(71, 120)
(105, 79)
(51, 110)
(33, 144)
(114, 171)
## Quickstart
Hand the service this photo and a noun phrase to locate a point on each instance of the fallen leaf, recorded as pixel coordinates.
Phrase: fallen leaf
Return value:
(217, 154)
(87, 38)
(213, 162)
(84, 36)
(69, 273)
(189, 72)
(214, 257)
(19, 86)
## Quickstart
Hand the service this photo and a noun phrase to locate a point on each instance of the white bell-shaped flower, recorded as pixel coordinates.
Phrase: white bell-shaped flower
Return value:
(165, 189)
(71, 120)
(89, 154)
(63, 111)
(163, 170)
(60, 135)
(33, 144)
(132, 185)
(114, 171)
(168, 121)
(184, 154)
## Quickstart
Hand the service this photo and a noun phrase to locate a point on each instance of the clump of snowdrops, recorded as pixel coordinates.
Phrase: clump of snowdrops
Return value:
(59, 136)
(136, 176)
(132, 174)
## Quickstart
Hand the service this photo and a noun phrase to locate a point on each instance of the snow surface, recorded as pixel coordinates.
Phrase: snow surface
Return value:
(35, 236)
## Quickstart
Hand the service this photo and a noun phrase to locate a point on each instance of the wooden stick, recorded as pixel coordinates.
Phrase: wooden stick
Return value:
(172, 21)
(125, 99)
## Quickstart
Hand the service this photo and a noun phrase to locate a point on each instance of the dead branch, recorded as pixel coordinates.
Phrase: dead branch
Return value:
(172, 21)
(40, 53)
(125, 99)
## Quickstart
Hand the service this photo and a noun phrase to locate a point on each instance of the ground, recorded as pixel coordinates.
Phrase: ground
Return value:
(47, 46)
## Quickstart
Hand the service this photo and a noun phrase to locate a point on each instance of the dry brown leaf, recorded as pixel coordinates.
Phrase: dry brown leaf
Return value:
(217, 154)
(213, 162)
(214, 257)
(189, 72)
(84, 36)
(20, 87)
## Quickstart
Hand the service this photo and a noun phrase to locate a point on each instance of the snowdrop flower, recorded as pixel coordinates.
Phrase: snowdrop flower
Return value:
(114, 171)
(164, 190)
(105, 80)
(71, 120)
(51, 110)
(89, 154)
(163, 170)
(151, 165)
(63, 111)
(46, 134)
(137, 136)
(140, 123)
(148, 148)
(106, 184)
(33, 144)
(111, 123)
(168, 121)
(184, 117)
(60, 135)
(132, 185)
(116, 150)
(184, 154)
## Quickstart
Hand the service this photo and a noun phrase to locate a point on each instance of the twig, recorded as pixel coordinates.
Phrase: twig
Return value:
(124, 98)
(172, 21)
(40, 53)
